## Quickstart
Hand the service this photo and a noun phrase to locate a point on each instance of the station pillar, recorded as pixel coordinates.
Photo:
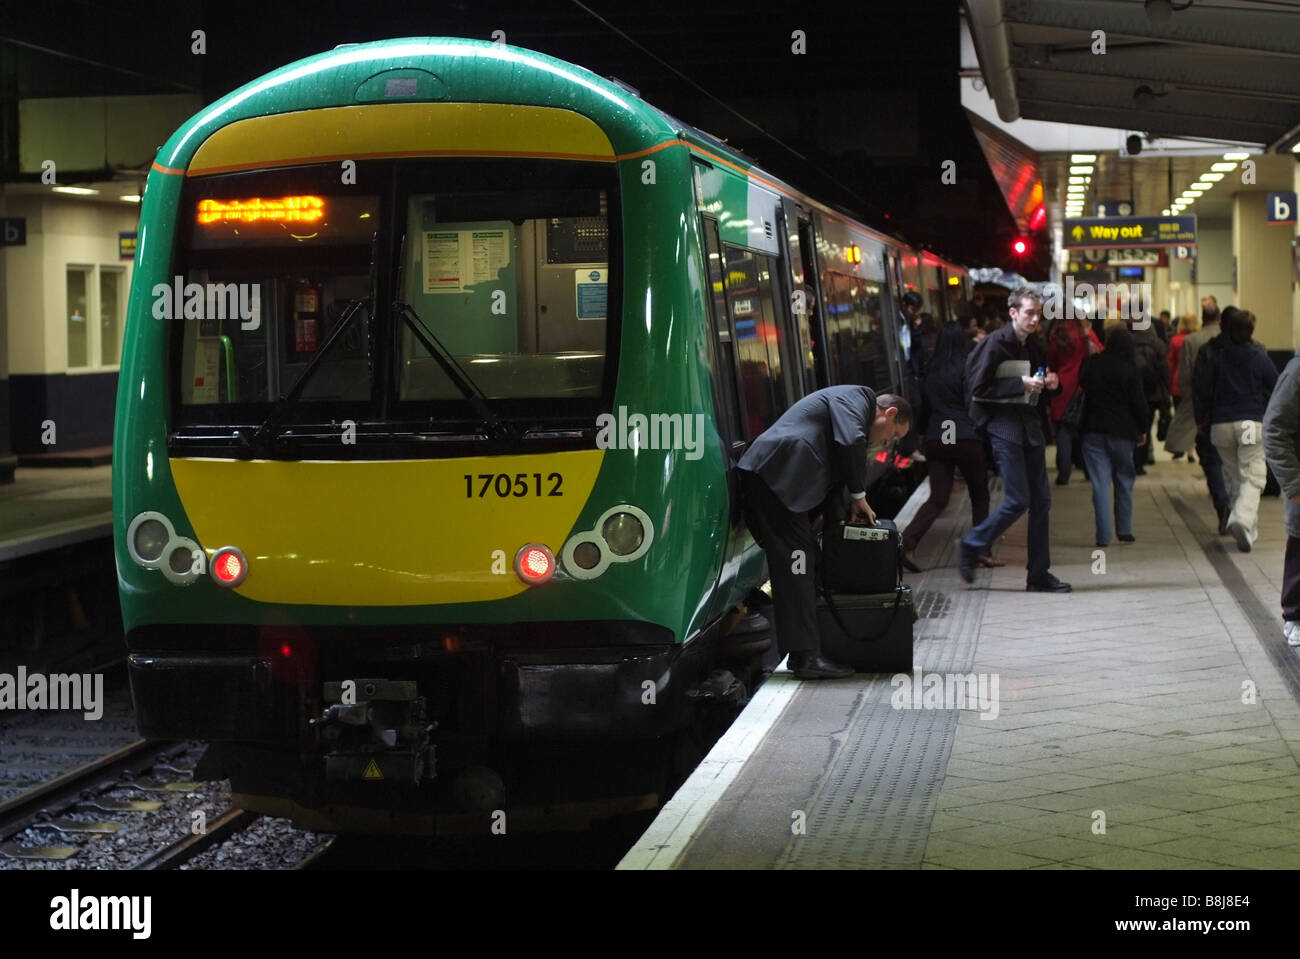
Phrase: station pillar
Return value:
(1264, 254)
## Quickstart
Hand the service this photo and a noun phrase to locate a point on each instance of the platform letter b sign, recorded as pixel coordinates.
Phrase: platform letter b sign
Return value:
(1281, 208)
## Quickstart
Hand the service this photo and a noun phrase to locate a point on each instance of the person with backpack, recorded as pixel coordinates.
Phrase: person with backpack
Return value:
(1150, 356)
(1209, 456)
(1231, 388)
(1069, 342)
(951, 442)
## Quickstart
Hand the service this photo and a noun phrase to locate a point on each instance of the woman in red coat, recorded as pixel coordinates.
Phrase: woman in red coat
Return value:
(1068, 342)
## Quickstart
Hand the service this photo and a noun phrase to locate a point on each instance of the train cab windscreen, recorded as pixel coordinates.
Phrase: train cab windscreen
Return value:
(514, 282)
(506, 263)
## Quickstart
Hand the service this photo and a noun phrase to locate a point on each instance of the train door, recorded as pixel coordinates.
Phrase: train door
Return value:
(893, 291)
(729, 394)
(806, 302)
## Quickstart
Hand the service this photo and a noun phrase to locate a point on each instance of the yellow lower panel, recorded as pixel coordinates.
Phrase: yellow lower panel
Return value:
(398, 533)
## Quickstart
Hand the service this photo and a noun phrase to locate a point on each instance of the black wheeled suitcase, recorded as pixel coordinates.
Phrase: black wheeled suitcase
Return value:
(872, 633)
(865, 613)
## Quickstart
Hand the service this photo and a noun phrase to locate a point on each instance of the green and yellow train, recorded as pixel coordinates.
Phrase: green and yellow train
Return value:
(439, 357)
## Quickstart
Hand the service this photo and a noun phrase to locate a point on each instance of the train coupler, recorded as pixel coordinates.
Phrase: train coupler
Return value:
(375, 730)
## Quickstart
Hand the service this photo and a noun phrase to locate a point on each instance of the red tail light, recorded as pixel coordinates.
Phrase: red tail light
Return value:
(534, 564)
(229, 567)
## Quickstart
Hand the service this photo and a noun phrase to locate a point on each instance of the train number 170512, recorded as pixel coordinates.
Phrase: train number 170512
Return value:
(520, 484)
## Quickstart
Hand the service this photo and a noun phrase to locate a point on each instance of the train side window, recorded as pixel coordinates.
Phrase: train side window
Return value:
(722, 350)
(804, 309)
(859, 350)
(758, 336)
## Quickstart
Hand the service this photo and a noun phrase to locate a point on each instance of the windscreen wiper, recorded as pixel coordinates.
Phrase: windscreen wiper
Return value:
(497, 429)
(288, 400)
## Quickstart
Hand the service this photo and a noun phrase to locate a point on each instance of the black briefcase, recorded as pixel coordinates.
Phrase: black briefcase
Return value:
(861, 559)
(872, 633)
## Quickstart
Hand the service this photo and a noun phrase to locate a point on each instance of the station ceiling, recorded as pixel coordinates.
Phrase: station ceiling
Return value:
(1228, 69)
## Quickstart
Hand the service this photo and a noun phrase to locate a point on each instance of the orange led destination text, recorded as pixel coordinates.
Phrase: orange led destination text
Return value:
(288, 209)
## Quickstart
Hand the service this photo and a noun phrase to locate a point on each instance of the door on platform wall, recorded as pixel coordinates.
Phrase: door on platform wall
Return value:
(94, 307)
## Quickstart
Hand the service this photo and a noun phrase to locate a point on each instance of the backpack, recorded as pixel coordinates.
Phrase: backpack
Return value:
(1146, 355)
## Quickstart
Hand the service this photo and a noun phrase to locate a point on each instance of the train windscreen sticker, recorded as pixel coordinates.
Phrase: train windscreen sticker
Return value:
(592, 293)
(459, 260)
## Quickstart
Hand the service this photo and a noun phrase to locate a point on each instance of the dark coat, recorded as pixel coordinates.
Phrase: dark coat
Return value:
(946, 394)
(1282, 440)
(1113, 401)
(817, 444)
(999, 403)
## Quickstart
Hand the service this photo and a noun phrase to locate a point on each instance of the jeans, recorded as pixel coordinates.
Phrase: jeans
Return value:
(1025, 485)
(1291, 581)
(1110, 456)
(1064, 452)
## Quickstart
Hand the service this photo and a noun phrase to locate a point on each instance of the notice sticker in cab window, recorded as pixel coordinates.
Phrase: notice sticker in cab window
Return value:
(591, 288)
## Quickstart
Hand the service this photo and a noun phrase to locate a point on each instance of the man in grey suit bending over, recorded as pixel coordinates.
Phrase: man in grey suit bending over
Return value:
(793, 469)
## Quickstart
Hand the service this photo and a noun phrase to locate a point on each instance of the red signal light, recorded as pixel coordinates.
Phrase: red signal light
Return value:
(1020, 247)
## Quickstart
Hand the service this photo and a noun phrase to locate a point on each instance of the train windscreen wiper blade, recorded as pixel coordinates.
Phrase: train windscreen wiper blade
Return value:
(287, 400)
(477, 399)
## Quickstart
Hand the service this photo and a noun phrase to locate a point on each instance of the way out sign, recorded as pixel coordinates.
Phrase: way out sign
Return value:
(1130, 231)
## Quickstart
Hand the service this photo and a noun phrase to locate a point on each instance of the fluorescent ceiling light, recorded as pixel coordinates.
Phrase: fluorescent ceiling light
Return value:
(1082, 157)
(131, 198)
(1080, 179)
(76, 190)
(1164, 212)
(1212, 177)
(1223, 167)
(1236, 156)
(1078, 170)
(1196, 189)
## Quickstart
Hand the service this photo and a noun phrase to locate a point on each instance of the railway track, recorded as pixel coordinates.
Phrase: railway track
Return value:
(46, 806)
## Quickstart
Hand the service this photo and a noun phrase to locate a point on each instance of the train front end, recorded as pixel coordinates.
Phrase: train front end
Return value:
(385, 523)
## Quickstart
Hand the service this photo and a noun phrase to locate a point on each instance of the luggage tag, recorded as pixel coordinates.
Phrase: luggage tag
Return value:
(875, 534)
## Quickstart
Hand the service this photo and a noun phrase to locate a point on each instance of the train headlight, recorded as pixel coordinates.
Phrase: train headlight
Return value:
(624, 534)
(150, 540)
(180, 559)
(586, 555)
(621, 534)
(534, 564)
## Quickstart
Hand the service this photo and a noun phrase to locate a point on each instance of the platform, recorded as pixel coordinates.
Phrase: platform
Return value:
(44, 509)
(1125, 706)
